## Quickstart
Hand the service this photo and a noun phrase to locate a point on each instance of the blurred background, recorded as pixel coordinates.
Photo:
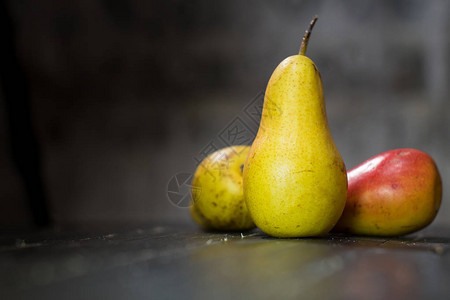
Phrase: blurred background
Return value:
(103, 103)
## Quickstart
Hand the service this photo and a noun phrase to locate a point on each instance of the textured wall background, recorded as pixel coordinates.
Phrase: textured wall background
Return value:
(125, 94)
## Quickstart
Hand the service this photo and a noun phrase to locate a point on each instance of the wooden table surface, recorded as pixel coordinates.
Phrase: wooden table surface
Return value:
(179, 261)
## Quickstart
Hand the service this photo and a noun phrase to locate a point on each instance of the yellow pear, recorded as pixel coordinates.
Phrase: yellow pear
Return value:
(217, 193)
(295, 181)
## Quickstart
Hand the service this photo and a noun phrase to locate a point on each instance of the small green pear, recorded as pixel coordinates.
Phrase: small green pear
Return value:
(217, 193)
(295, 181)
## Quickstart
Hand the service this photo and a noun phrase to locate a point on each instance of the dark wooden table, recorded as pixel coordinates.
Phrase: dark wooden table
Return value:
(180, 261)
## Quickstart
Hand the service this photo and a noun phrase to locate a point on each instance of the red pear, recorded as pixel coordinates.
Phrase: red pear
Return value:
(394, 193)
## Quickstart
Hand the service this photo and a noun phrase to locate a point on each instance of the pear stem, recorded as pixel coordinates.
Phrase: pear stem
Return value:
(305, 40)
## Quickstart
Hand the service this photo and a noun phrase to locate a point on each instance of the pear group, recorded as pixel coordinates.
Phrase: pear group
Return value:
(292, 181)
